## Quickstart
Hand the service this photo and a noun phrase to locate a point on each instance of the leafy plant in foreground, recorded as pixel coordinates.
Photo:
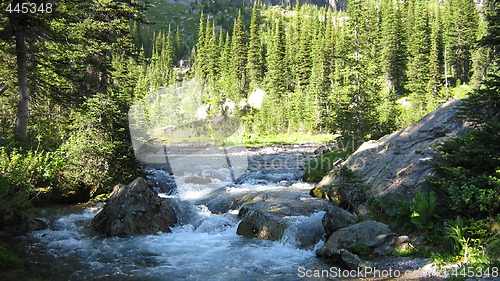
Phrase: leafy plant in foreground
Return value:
(423, 210)
(456, 231)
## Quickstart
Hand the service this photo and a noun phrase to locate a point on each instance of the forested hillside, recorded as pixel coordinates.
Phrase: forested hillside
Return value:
(361, 73)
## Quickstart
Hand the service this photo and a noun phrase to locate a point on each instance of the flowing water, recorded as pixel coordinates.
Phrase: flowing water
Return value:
(203, 246)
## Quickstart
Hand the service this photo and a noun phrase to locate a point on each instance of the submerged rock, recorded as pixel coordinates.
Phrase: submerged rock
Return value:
(135, 209)
(270, 218)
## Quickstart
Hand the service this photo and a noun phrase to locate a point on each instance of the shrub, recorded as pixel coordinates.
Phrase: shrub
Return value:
(395, 212)
(362, 250)
(21, 171)
(469, 172)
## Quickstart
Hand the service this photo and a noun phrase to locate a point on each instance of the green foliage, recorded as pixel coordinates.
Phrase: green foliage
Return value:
(470, 171)
(423, 209)
(394, 212)
(338, 72)
(99, 149)
(85, 59)
(21, 171)
(457, 233)
(8, 259)
(317, 168)
(493, 247)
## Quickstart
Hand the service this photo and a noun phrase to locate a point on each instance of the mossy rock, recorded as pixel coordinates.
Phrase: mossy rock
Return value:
(319, 192)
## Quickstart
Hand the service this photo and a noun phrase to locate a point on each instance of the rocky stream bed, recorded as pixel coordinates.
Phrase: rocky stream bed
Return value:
(263, 226)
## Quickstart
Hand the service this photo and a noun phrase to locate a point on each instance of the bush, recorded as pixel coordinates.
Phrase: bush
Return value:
(8, 259)
(21, 171)
(362, 250)
(395, 212)
(99, 152)
(469, 172)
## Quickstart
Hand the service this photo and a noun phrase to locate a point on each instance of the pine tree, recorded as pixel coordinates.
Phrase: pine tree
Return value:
(255, 64)
(240, 58)
(483, 105)
(318, 111)
(200, 59)
(462, 25)
(275, 76)
(212, 53)
(393, 47)
(357, 87)
(272, 114)
(303, 53)
(436, 57)
(419, 51)
(226, 81)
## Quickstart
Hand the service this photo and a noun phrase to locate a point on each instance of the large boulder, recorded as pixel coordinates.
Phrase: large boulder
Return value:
(280, 216)
(399, 164)
(338, 249)
(16, 222)
(135, 209)
(368, 233)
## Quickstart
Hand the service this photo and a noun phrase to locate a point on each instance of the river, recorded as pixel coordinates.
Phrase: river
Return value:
(203, 246)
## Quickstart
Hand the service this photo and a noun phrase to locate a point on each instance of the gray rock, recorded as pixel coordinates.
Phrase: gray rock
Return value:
(270, 218)
(321, 150)
(260, 224)
(369, 233)
(342, 258)
(337, 218)
(135, 209)
(16, 222)
(398, 164)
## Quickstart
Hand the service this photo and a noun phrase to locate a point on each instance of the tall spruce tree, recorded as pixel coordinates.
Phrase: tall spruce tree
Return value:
(436, 56)
(393, 38)
(462, 25)
(272, 114)
(255, 64)
(240, 58)
(419, 55)
(200, 59)
(358, 95)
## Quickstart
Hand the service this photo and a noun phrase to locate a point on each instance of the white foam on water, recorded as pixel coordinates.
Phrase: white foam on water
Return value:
(207, 250)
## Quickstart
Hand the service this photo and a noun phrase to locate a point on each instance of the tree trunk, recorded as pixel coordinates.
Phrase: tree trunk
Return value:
(22, 76)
